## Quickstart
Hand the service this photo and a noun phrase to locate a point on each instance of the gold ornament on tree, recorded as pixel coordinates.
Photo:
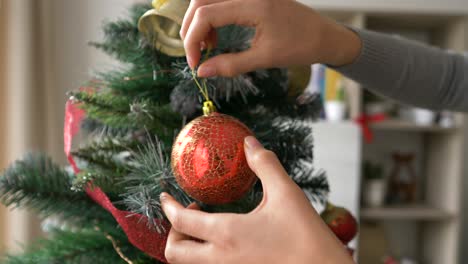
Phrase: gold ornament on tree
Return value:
(161, 26)
(299, 78)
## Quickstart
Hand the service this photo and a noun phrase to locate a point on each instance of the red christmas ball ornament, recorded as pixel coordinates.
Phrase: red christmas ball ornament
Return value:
(341, 222)
(208, 159)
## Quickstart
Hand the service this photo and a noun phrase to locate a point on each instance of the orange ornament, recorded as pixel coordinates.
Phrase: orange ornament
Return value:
(208, 159)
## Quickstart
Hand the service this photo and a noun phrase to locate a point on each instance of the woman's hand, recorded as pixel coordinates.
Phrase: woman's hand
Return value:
(287, 33)
(284, 228)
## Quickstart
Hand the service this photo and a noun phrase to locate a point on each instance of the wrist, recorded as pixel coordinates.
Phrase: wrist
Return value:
(340, 45)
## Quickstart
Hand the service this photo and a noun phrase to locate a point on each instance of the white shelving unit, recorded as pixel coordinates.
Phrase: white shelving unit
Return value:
(429, 230)
(394, 6)
(401, 125)
(410, 212)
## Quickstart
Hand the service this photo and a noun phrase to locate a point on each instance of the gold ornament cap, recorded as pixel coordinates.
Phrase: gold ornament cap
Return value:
(208, 108)
(161, 26)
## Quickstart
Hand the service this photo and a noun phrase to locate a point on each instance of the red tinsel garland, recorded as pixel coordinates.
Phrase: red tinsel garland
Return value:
(134, 225)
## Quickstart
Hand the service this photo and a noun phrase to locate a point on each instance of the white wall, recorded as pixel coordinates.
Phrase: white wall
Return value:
(47, 56)
(72, 25)
(337, 150)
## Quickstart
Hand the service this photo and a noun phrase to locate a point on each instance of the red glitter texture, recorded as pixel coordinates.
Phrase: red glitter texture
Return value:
(341, 222)
(208, 159)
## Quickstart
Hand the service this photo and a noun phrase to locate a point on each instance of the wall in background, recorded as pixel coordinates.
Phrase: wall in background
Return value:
(47, 56)
(337, 150)
(3, 19)
(71, 60)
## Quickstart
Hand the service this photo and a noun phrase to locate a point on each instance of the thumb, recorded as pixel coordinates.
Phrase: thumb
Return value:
(230, 64)
(266, 166)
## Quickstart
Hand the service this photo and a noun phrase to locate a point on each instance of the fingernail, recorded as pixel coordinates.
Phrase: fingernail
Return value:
(163, 197)
(252, 143)
(190, 62)
(206, 71)
(193, 205)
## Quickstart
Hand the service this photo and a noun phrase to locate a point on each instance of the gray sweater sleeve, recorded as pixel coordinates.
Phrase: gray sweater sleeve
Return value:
(410, 72)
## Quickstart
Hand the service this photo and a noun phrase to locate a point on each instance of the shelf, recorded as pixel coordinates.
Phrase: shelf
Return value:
(432, 7)
(401, 125)
(410, 212)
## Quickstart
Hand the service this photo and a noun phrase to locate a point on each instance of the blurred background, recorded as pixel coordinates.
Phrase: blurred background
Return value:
(399, 169)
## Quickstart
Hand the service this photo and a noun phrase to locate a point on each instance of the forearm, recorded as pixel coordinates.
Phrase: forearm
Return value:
(410, 72)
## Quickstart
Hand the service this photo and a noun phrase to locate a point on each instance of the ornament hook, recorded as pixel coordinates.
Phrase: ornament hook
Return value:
(208, 108)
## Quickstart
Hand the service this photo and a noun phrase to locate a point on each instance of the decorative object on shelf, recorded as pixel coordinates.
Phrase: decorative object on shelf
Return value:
(446, 119)
(374, 188)
(161, 25)
(402, 185)
(390, 260)
(335, 104)
(335, 111)
(332, 87)
(364, 120)
(418, 116)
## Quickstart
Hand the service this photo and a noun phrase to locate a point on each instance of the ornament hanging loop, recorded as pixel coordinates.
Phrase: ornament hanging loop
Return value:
(208, 108)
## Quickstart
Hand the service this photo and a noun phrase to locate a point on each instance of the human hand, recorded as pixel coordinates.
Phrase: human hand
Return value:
(287, 33)
(284, 228)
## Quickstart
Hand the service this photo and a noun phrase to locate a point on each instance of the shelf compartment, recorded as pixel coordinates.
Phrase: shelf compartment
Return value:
(402, 125)
(407, 212)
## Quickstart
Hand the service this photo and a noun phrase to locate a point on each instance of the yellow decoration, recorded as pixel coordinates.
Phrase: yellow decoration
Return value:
(332, 84)
(162, 24)
(208, 108)
(158, 3)
(299, 78)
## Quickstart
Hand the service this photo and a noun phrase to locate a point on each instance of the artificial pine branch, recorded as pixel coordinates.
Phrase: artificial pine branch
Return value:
(94, 176)
(313, 183)
(84, 246)
(37, 183)
(123, 41)
(122, 112)
(150, 175)
(152, 82)
(290, 139)
(109, 152)
(95, 128)
(219, 88)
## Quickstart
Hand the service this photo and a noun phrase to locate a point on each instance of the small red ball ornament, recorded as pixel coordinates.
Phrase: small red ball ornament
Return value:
(341, 222)
(208, 159)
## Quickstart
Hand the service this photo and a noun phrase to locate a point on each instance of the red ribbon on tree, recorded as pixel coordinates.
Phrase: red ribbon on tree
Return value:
(134, 225)
(364, 121)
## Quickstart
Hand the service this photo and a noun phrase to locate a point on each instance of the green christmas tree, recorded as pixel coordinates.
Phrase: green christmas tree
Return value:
(133, 115)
